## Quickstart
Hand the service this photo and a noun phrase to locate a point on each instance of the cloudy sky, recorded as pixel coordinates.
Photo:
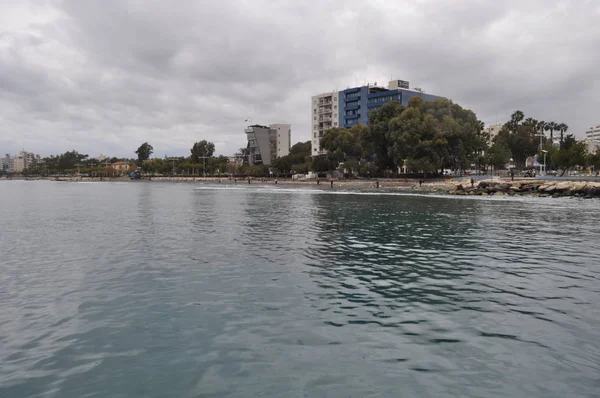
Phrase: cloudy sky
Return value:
(105, 76)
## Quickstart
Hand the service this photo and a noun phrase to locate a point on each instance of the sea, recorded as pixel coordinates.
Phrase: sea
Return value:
(149, 289)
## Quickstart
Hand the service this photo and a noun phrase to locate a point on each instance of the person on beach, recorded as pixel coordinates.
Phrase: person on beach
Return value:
(420, 183)
(472, 182)
(512, 174)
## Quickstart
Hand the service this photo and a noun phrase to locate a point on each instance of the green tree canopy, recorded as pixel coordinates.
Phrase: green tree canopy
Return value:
(300, 148)
(572, 153)
(201, 149)
(144, 152)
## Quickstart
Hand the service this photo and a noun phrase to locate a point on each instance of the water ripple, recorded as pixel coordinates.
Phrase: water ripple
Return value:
(153, 290)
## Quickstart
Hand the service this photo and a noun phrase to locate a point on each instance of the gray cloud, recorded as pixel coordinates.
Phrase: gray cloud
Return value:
(102, 77)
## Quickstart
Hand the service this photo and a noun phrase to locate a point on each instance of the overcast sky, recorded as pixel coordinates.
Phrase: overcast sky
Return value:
(105, 76)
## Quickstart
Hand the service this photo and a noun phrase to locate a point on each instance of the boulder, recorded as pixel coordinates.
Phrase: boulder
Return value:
(504, 187)
(550, 188)
(563, 186)
(578, 187)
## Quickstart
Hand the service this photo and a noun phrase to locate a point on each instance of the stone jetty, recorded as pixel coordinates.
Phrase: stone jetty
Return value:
(583, 189)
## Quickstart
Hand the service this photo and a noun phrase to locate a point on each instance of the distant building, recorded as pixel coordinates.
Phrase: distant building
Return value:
(267, 143)
(592, 138)
(20, 162)
(284, 138)
(325, 115)
(6, 163)
(353, 106)
(493, 131)
(592, 146)
(593, 133)
(121, 167)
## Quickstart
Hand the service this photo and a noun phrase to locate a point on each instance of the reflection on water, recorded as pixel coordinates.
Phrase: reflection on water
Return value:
(153, 290)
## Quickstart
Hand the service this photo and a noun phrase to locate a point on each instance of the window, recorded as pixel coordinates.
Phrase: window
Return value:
(315, 135)
(335, 123)
(315, 118)
(353, 95)
(315, 110)
(335, 107)
(315, 150)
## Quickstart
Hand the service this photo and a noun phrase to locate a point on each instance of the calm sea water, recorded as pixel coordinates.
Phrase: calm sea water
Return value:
(143, 289)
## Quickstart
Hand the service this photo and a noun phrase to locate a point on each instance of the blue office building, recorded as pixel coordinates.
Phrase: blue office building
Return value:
(356, 103)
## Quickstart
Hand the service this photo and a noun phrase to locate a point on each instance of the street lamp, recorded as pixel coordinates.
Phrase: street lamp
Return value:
(544, 152)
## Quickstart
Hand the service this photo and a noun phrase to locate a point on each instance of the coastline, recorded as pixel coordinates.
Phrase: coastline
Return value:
(484, 186)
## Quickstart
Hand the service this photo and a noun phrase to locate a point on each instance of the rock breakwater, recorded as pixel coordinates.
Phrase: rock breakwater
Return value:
(583, 189)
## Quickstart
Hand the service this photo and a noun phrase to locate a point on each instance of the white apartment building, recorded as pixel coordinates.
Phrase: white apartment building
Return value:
(267, 143)
(284, 138)
(493, 131)
(593, 133)
(6, 163)
(17, 163)
(592, 139)
(324, 115)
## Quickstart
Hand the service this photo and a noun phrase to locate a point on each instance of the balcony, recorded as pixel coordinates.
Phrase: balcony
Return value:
(325, 111)
(351, 108)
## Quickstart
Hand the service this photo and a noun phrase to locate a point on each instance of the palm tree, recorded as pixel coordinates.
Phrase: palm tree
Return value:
(552, 126)
(530, 122)
(563, 129)
(540, 127)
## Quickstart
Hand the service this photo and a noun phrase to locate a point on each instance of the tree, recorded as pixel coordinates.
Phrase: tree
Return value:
(375, 140)
(144, 152)
(515, 119)
(551, 126)
(563, 129)
(300, 148)
(322, 163)
(283, 165)
(594, 159)
(571, 154)
(69, 160)
(498, 154)
(202, 149)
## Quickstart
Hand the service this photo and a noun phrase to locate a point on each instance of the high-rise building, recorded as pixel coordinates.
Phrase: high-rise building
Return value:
(17, 163)
(284, 138)
(267, 143)
(352, 106)
(492, 131)
(593, 133)
(592, 138)
(325, 115)
(6, 163)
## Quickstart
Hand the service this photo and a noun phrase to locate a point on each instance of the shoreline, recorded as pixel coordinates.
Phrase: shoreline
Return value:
(494, 186)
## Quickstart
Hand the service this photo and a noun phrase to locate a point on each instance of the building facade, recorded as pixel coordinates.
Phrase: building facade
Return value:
(592, 139)
(19, 162)
(492, 132)
(352, 106)
(267, 143)
(325, 115)
(284, 138)
(593, 134)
